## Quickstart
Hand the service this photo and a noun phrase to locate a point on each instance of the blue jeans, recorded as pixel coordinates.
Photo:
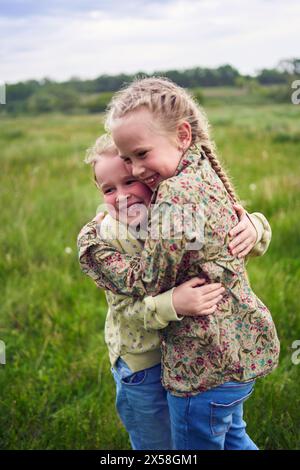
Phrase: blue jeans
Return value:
(212, 420)
(142, 405)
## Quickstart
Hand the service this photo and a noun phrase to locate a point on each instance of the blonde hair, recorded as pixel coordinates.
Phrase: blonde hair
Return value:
(171, 105)
(103, 145)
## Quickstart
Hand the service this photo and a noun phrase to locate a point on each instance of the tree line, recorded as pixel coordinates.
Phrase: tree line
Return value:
(76, 95)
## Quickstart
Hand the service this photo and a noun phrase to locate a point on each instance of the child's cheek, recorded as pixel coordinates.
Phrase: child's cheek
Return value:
(143, 192)
(110, 201)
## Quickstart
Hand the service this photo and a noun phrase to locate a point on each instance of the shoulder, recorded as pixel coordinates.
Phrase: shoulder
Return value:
(108, 227)
(182, 188)
(117, 235)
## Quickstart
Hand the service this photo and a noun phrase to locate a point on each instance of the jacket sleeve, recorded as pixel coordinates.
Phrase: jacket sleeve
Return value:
(155, 312)
(153, 272)
(264, 234)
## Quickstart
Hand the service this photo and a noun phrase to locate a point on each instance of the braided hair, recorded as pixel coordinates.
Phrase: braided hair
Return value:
(171, 105)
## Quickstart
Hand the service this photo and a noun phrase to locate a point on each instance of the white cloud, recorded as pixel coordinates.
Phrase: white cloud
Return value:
(157, 35)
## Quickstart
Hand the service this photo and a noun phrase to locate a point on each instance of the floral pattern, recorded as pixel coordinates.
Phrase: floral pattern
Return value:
(239, 342)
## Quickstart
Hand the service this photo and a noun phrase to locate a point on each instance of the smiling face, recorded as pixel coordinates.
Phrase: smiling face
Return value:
(150, 153)
(125, 196)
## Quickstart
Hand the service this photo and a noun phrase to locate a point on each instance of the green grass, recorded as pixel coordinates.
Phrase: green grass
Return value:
(56, 387)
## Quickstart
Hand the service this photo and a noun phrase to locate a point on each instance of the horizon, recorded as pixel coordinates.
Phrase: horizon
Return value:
(134, 73)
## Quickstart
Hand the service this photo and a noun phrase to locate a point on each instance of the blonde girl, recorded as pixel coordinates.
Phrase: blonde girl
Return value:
(209, 363)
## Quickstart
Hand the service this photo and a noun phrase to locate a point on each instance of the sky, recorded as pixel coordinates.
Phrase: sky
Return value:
(88, 38)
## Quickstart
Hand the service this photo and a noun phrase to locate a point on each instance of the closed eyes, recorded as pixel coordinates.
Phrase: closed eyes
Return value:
(142, 153)
(126, 160)
(130, 182)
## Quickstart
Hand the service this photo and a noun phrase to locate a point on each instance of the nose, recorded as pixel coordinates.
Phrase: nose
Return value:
(122, 198)
(137, 170)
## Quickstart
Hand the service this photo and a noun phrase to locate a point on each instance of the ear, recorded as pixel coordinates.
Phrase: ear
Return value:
(184, 135)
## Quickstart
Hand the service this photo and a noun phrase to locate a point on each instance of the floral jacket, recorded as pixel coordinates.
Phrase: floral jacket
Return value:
(239, 342)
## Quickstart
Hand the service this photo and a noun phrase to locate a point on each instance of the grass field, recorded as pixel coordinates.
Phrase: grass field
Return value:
(56, 387)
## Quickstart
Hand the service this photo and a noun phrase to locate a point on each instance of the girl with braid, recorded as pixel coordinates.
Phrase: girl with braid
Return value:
(209, 363)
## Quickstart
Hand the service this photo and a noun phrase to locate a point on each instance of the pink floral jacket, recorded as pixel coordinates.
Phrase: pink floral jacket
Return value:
(239, 341)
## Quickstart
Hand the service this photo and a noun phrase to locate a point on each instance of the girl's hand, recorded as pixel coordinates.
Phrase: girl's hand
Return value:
(244, 234)
(192, 298)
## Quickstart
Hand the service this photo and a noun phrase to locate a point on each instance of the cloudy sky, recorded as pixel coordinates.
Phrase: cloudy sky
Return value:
(87, 38)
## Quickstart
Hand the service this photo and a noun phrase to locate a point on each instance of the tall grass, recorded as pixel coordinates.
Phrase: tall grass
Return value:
(56, 388)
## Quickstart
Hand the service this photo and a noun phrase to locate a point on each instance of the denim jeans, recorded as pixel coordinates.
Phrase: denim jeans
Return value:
(142, 405)
(212, 420)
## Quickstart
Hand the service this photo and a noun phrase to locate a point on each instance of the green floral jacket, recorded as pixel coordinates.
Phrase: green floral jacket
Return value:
(239, 342)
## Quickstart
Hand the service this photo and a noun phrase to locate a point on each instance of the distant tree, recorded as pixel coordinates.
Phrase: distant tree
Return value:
(241, 82)
(21, 90)
(271, 76)
(42, 102)
(291, 66)
(93, 95)
(67, 99)
(53, 97)
(98, 104)
(227, 75)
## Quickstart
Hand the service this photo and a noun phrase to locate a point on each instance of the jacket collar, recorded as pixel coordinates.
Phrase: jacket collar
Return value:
(194, 155)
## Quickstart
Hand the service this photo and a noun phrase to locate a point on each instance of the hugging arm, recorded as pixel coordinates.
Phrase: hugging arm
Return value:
(155, 271)
(264, 234)
(155, 312)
